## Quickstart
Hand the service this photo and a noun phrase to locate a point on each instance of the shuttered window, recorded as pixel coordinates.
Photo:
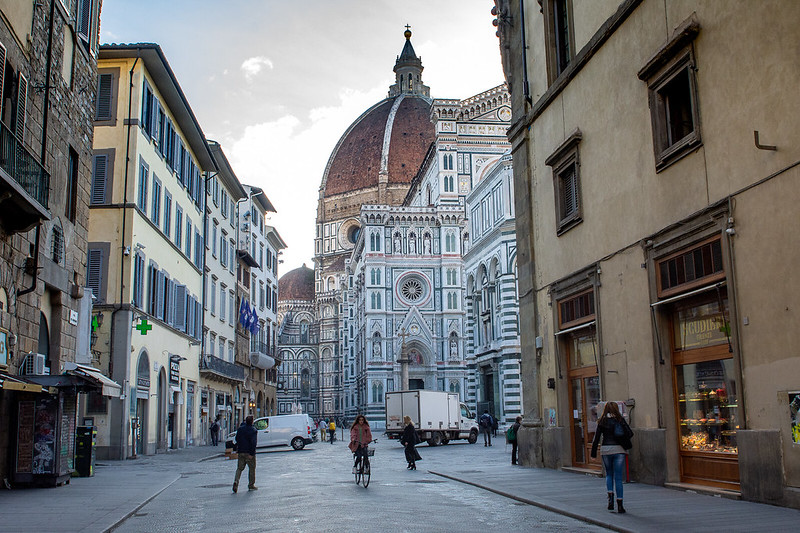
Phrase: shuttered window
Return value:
(102, 110)
(180, 307)
(159, 294)
(190, 319)
(2, 71)
(568, 180)
(167, 213)
(138, 281)
(188, 238)
(141, 198)
(94, 272)
(178, 226)
(99, 169)
(155, 214)
(22, 102)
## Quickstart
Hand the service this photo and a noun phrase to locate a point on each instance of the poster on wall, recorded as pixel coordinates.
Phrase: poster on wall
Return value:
(25, 419)
(794, 416)
(44, 436)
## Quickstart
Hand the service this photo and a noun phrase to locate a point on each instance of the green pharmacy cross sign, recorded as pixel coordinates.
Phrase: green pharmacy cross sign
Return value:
(144, 326)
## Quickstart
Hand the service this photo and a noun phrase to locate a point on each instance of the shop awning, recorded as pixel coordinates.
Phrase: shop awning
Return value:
(18, 383)
(576, 328)
(107, 386)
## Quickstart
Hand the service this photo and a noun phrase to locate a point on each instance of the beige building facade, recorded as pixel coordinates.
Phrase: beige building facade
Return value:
(147, 253)
(656, 161)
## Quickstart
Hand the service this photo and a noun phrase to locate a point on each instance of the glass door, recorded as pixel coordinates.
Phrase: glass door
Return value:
(584, 395)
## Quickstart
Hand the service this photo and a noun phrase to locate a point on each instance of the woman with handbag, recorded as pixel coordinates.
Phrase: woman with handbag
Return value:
(616, 441)
(409, 440)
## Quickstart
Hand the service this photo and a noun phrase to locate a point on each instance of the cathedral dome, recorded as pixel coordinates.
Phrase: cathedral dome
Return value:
(297, 284)
(390, 138)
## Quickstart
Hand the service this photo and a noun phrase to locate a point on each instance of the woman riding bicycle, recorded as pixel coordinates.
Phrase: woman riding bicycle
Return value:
(360, 437)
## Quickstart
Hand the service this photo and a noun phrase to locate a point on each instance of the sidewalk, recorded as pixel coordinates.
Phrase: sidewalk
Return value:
(96, 504)
(649, 508)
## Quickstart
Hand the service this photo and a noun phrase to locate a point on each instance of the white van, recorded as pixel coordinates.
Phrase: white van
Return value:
(282, 430)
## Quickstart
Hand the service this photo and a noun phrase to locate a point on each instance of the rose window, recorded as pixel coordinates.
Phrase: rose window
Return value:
(412, 290)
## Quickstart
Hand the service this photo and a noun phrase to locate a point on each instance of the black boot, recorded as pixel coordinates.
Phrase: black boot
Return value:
(620, 508)
(610, 501)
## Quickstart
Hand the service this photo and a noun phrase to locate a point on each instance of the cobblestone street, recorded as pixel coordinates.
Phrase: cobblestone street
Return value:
(313, 490)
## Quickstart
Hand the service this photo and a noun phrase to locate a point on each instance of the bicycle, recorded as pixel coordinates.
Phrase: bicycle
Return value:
(362, 467)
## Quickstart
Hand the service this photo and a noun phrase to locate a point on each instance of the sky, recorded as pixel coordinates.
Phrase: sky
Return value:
(277, 83)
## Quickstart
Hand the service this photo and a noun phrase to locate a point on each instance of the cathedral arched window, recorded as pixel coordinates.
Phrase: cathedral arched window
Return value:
(450, 242)
(450, 161)
(305, 383)
(377, 392)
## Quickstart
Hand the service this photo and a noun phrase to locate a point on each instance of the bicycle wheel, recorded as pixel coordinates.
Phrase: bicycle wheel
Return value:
(366, 472)
(358, 471)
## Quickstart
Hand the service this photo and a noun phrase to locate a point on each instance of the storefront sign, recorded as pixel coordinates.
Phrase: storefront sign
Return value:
(699, 327)
(174, 369)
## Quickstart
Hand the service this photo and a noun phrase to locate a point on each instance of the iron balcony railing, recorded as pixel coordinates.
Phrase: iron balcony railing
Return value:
(260, 347)
(21, 165)
(210, 363)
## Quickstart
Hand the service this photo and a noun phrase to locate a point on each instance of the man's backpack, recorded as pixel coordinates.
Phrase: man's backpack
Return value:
(511, 434)
(486, 421)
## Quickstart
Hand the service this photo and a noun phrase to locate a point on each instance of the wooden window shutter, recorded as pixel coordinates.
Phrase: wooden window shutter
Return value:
(99, 168)
(22, 100)
(180, 307)
(103, 106)
(160, 295)
(84, 13)
(2, 71)
(94, 271)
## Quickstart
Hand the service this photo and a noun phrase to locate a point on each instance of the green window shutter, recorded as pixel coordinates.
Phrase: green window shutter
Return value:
(104, 90)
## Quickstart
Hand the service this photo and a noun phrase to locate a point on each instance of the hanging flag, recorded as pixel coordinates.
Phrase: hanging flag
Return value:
(244, 314)
(254, 326)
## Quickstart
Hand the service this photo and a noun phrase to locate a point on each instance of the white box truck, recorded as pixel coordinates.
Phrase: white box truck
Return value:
(438, 416)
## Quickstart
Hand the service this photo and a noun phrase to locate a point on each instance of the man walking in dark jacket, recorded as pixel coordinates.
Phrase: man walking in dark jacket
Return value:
(246, 440)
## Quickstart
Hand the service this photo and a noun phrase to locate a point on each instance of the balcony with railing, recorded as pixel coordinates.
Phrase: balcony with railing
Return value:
(212, 367)
(261, 354)
(24, 185)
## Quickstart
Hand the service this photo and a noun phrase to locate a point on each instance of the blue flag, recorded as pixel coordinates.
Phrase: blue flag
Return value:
(244, 314)
(254, 326)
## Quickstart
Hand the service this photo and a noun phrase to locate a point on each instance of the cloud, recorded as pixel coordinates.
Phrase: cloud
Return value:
(253, 65)
(287, 157)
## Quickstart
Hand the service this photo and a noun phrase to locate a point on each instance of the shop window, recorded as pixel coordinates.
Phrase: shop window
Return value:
(672, 92)
(689, 269)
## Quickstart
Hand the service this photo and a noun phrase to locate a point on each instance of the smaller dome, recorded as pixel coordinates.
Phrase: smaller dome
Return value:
(297, 284)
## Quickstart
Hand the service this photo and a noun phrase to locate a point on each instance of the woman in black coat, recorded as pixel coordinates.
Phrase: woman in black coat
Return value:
(409, 440)
(616, 441)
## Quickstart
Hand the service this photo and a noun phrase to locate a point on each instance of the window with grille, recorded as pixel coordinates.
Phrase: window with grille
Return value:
(57, 245)
(576, 309)
(688, 269)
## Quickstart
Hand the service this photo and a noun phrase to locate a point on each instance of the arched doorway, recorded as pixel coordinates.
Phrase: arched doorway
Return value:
(417, 373)
(142, 398)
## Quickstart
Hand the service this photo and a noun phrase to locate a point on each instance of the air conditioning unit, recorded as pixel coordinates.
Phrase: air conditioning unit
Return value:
(33, 365)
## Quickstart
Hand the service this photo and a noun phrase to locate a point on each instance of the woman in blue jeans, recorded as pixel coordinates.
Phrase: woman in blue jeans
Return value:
(616, 441)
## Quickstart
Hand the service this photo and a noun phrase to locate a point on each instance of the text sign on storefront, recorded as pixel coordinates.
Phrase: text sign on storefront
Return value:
(174, 369)
(699, 327)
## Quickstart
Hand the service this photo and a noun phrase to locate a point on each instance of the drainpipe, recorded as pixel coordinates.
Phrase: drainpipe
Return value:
(124, 429)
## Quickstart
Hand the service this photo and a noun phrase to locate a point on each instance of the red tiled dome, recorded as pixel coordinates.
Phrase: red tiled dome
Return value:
(356, 161)
(297, 284)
